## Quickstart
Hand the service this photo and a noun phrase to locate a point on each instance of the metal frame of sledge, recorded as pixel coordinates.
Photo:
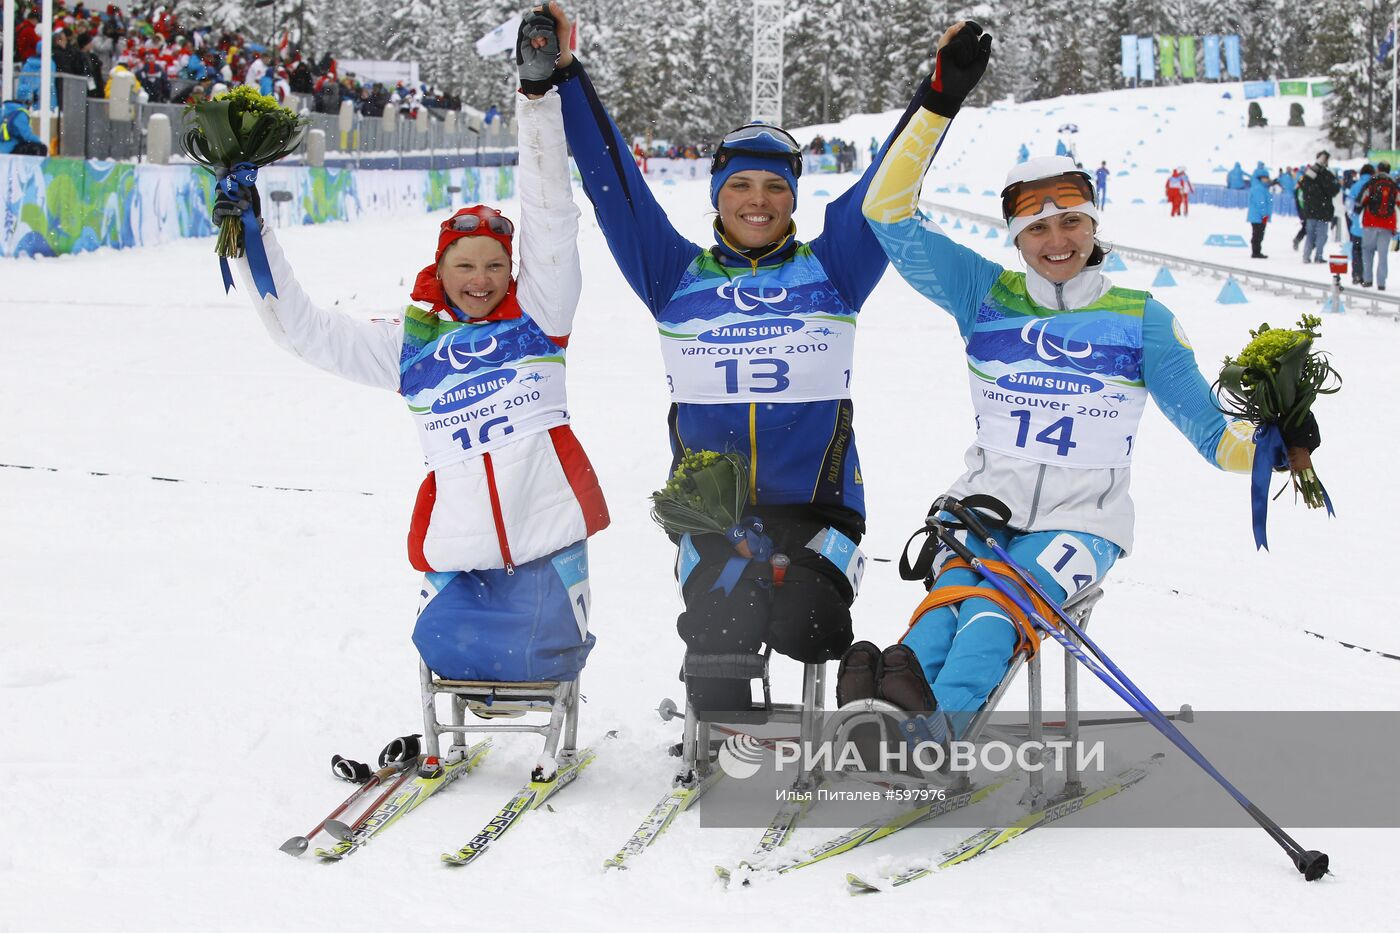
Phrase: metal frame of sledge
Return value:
(696, 749)
(491, 700)
(1080, 607)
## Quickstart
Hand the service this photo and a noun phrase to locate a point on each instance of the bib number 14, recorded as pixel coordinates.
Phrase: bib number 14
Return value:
(1057, 435)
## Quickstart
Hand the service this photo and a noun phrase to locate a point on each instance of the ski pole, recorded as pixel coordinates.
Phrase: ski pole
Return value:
(298, 844)
(1311, 864)
(342, 831)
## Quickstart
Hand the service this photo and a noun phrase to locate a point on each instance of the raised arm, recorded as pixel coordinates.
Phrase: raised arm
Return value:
(550, 280)
(361, 351)
(1180, 391)
(950, 275)
(648, 250)
(847, 248)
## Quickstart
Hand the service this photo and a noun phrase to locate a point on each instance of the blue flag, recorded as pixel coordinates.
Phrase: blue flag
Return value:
(1130, 53)
(1212, 57)
(1387, 44)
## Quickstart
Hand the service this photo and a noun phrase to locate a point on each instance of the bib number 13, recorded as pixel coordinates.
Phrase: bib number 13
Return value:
(763, 376)
(1057, 435)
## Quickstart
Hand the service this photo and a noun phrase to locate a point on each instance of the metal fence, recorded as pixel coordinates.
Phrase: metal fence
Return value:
(87, 130)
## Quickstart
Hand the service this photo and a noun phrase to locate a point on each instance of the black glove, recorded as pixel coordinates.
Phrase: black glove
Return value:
(404, 748)
(356, 772)
(1305, 434)
(233, 206)
(536, 64)
(957, 69)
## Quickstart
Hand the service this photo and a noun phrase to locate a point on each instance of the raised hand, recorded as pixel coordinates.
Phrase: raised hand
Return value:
(963, 53)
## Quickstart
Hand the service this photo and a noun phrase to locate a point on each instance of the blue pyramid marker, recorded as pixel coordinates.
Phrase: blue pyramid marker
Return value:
(1231, 294)
(991, 233)
(1114, 263)
(973, 229)
(1009, 241)
(957, 224)
(943, 219)
(1164, 278)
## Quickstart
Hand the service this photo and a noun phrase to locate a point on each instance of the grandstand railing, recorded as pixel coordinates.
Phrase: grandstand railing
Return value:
(1367, 300)
(86, 130)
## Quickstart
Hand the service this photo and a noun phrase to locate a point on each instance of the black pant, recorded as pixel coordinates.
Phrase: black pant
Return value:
(30, 149)
(1355, 258)
(807, 618)
(1256, 241)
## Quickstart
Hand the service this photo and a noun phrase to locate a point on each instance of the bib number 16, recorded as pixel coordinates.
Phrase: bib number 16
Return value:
(1057, 435)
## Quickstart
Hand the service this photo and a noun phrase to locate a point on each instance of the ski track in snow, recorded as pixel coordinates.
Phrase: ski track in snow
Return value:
(182, 658)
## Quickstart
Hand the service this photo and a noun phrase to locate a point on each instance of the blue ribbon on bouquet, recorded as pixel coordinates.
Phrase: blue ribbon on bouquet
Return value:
(245, 175)
(748, 530)
(1270, 453)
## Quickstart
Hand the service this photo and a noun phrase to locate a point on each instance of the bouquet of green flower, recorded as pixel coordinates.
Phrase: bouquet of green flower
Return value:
(1274, 382)
(705, 494)
(233, 136)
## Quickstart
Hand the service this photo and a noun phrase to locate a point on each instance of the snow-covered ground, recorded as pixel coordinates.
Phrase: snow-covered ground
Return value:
(185, 644)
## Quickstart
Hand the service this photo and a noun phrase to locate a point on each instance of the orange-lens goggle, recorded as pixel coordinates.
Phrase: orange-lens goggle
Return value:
(1027, 198)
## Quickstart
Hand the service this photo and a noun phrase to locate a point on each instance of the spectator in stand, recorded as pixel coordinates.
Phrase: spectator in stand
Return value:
(256, 69)
(27, 83)
(300, 78)
(1315, 194)
(155, 83)
(27, 35)
(1377, 204)
(1353, 216)
(1261, 208)
(17, 137)
(92, 64)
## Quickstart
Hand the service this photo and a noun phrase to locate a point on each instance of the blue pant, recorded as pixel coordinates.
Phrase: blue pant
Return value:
(491, 625)
(1316, 239)
(965, 649)
(1375, 253)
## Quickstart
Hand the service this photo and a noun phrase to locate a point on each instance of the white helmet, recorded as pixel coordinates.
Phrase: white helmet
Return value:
(1045, 168)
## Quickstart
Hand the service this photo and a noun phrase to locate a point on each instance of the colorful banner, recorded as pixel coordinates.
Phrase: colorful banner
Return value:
(1211, 55)
(1232, 57)
(1253, 89)
(1147, 66)
(1293, 88)
(1130, 64)
(51, 207)
(1321, 88)
(1186, 50)
(1166, 54)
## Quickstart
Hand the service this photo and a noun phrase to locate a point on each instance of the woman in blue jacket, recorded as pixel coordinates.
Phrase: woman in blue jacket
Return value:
(1061, 365)
(756, 334)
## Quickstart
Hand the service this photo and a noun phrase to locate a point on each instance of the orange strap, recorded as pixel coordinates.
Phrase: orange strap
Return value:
(1029, 638)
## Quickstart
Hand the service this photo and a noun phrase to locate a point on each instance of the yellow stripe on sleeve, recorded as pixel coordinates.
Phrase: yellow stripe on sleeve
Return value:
(893, 195)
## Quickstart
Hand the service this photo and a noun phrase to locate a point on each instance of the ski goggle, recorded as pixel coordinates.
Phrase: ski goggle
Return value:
(760, 139)
(470, 223)
(1027, 198)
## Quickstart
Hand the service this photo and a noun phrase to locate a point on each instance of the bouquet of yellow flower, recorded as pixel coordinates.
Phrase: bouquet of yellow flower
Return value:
(233, 136)
(1273, 384)
(705, 494)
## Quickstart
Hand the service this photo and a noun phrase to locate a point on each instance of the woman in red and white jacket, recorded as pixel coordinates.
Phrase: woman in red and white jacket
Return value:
(510, 498)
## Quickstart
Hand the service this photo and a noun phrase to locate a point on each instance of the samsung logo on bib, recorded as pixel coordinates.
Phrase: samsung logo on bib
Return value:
(1050, 383)
(748, 333)
(473, 390)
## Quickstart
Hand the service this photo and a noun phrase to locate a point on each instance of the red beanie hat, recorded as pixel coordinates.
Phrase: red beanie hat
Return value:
(489, 222)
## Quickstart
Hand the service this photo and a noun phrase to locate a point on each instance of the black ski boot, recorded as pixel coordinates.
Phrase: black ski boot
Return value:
(902, 680)
(857, 675)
